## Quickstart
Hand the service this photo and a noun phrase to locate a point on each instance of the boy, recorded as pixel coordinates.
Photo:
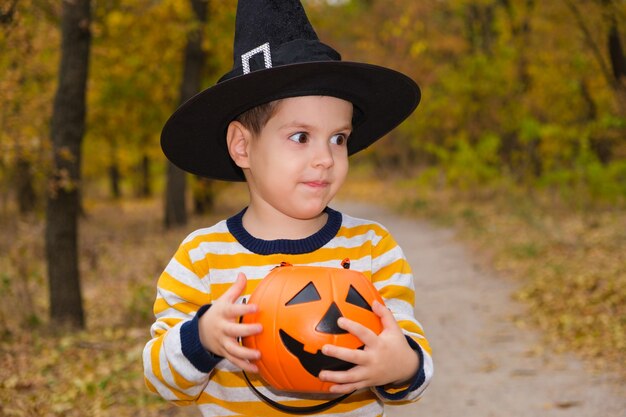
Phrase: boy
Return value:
(284, 120)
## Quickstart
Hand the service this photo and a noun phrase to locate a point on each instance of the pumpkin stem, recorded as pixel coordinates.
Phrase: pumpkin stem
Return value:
(346, 263)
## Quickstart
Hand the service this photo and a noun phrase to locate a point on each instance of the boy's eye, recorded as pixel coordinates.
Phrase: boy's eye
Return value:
(339, 139)
(299, 137)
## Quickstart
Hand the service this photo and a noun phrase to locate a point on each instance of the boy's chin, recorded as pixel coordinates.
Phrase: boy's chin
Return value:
(309, 212)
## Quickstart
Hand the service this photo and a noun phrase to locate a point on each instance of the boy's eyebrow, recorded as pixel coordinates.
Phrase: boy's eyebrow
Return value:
(306, 126)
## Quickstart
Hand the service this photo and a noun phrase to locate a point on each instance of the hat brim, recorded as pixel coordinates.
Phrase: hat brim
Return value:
(194, 137)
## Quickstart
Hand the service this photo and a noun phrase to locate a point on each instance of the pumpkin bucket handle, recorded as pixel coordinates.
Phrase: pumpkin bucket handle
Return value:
(293, 409)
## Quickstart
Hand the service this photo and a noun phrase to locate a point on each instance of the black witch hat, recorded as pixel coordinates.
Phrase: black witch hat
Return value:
(277, 54)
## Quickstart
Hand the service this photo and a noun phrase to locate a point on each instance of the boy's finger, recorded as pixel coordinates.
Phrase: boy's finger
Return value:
(238, 310)
(364, 334)
(386, 316)
(243, 330)
(355, 356)
(352, 376)
(344, 388)
(245, 365)
(236, 350)
(236, 289)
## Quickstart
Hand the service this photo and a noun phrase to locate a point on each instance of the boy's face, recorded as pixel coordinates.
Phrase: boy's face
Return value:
(299, 160)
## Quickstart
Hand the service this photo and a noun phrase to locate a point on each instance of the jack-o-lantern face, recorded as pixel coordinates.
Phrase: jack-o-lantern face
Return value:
(299, 308)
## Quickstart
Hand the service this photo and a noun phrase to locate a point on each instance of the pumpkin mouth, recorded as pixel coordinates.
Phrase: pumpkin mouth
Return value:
(314, 363)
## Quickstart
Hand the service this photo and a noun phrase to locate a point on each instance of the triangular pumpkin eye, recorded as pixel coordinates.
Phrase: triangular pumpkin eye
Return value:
(357, 299)
(306, 295)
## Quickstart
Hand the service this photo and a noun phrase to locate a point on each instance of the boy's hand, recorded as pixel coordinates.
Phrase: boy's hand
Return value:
(219, 327)
(386, 359)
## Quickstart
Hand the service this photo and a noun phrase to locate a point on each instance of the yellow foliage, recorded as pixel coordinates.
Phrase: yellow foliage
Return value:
(417, 48)
(118, 22)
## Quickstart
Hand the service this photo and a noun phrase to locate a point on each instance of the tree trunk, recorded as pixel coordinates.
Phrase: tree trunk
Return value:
(145, 189)
(175, 207)
(610, 11)
(114, 180)
(203, 195)
(618, 62)
(6, 16)
(520, 32)
(479, 24)
(67, 129)
(26, 196)
(115, 176)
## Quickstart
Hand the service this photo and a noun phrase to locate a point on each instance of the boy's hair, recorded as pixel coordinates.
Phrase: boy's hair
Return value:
(257, 117)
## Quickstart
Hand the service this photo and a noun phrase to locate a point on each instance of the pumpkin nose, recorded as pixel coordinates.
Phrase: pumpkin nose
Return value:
(328, 324)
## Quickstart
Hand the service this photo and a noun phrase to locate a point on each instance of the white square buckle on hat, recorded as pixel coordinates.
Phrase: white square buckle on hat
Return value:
(267, 57)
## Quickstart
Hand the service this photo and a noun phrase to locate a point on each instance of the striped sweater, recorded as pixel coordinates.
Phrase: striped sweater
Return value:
(206, 264)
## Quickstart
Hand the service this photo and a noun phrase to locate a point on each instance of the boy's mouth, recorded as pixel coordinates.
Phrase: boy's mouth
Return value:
(317, 184)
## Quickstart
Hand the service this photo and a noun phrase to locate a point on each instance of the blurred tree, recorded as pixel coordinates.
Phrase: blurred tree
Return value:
(538, 83)
(218, 46)
(132, 89)
(194, 60)
(27, 65)
(67, 129)
(614, 71)
(24, 183)
(7, 12)
(520, 78)
(203, 192)
(144, 189)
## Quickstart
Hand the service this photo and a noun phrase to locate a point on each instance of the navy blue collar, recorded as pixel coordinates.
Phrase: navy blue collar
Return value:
(285, 246)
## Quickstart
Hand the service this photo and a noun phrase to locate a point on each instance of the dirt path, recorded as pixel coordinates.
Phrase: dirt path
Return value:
(484, 365)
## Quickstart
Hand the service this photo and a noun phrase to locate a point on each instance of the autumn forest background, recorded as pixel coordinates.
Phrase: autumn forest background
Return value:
(519, 143)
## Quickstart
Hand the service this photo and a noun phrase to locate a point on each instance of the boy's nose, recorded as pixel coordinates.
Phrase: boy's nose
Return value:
(323, 156)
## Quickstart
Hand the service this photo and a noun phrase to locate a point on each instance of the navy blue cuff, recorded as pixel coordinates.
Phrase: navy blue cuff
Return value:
(418, 379)
(191, 346)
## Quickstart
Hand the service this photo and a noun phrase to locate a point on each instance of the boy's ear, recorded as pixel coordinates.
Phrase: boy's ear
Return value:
(237, 139)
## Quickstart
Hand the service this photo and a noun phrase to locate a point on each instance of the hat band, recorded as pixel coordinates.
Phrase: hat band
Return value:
(293, 52)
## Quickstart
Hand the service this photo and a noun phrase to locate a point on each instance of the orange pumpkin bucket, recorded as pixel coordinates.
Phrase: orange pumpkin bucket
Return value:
(298, 307)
